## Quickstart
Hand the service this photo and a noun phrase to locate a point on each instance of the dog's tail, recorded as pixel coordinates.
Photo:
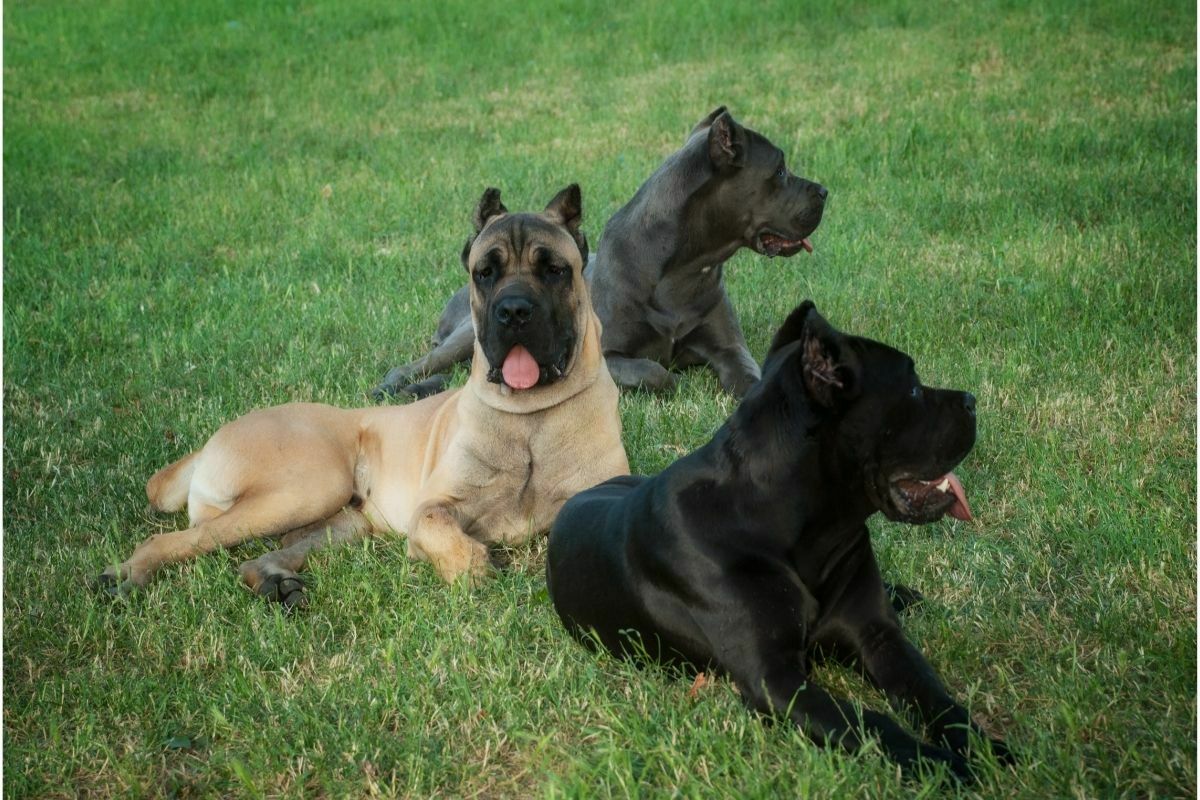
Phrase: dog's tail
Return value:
(168, 488)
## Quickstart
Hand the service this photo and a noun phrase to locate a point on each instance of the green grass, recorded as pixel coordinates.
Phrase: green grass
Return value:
(209, 208)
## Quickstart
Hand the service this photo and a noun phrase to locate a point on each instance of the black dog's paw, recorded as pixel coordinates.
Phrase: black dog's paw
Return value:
(285, 589)
(926, 757)
(1002, 752)
(961, 770)
(974, 743)
(903, 597)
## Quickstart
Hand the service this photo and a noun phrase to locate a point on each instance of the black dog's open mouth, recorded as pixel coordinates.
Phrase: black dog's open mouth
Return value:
(520, 370)
(919, 501)
(770, 243)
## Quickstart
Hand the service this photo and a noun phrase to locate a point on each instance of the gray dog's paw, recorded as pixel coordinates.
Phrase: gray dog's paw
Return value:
(426, 388)
(396, 378)
(111, 584)
(285, 589)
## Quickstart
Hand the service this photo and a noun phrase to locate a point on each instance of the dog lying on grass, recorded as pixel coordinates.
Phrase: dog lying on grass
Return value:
(492, 462)
(752, 554)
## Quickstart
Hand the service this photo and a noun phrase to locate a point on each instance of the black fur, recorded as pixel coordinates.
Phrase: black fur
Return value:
(752, 554)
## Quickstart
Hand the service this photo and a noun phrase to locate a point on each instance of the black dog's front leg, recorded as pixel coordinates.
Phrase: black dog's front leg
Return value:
(783, 688)
(763, 652)
(868, 628)
(896, 666)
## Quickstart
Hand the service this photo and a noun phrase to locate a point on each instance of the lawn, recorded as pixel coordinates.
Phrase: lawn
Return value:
(210, 207)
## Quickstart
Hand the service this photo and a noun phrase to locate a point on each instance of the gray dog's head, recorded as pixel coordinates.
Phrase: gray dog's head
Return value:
(527, 288)
(754, 197)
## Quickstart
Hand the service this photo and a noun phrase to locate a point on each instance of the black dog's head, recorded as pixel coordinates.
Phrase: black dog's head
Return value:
(768, 208)
(903, 439)
(526, 286)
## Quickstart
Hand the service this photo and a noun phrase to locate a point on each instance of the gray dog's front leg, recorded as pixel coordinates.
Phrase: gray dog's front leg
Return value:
(455, 348)
(736, 369)
(718, 342)
(640, 373)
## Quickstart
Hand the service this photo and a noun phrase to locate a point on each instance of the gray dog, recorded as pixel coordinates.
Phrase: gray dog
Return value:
(657, 282)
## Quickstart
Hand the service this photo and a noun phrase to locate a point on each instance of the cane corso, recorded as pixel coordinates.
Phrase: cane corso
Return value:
(751, 555)
(657, 280)
(491, 462)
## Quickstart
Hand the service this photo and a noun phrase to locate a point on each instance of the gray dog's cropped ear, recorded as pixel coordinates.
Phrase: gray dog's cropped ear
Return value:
(489, 206)
(707, 121)
(567, 210)
(726, 142)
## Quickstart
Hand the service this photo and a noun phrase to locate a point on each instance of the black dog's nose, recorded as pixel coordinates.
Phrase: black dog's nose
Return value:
(513, 312)
(969, 403)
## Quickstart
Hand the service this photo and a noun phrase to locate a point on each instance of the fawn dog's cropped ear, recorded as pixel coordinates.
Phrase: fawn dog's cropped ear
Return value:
(566, 209)
(489, 207)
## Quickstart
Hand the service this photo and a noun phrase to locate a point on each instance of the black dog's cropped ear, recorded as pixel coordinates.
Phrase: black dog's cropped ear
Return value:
(830, 369)
(567, 210)
(792, 327)
(707, 121)
(827, 365)
(726, 142)
(489, 206)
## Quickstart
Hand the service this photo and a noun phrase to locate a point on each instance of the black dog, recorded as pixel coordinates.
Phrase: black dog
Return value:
(751, 555)
(657, 282)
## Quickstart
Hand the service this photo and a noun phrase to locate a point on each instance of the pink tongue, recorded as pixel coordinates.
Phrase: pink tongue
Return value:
(806, 244)
(960, 509)
(520, 370)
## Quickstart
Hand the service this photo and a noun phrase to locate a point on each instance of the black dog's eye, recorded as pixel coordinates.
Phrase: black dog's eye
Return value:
(915, 393)
(781, 173)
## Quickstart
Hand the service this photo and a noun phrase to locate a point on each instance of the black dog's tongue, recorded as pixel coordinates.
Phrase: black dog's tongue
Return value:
(960, 509)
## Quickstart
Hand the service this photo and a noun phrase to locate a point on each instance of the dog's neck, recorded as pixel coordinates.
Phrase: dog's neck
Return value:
(702, 246)
(778, 433)
(583, 369)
